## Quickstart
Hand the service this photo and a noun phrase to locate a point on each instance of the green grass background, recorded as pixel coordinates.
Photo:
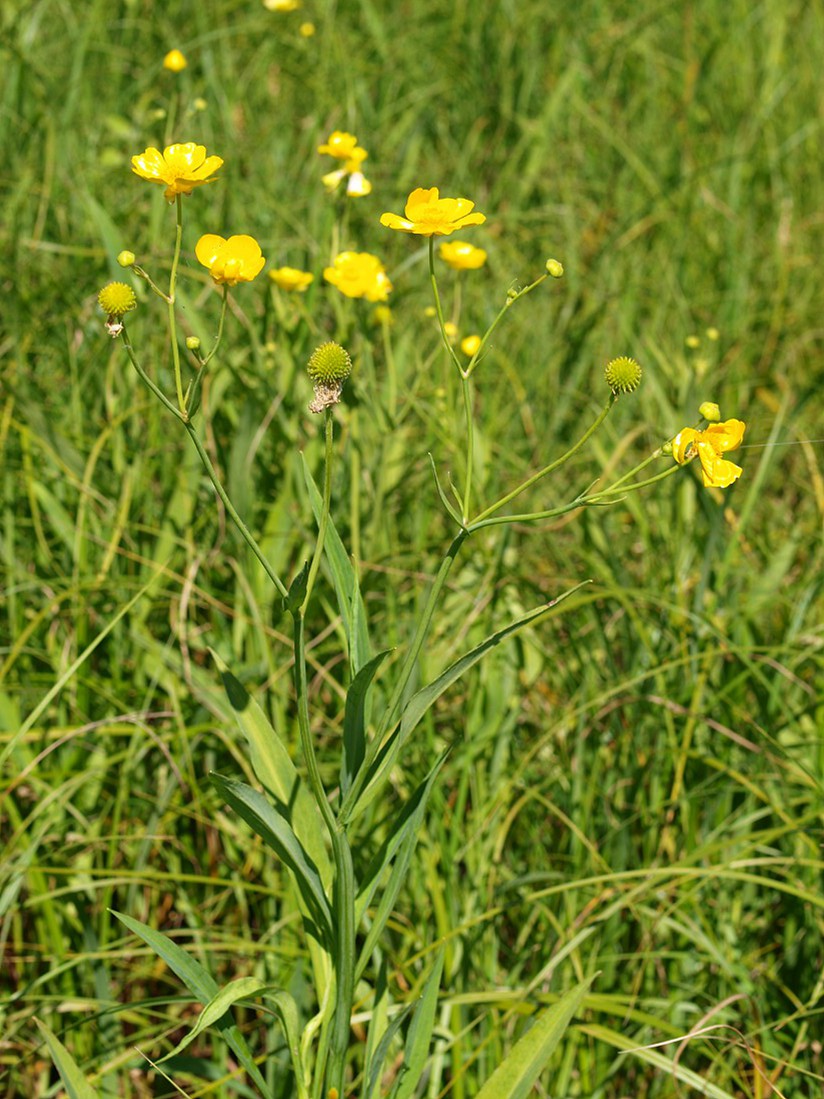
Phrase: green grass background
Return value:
(635, 787)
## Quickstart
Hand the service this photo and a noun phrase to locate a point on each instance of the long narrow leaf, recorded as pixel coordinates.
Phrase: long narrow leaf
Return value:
(419, 1038)
(76, 1084)
(399, 846)
(355, 719)
(274, 768)
(275, 830)
(202, 985)
(514, 1077)
(427, 696)
(381, 1053)
(345, 579)
(247, 988)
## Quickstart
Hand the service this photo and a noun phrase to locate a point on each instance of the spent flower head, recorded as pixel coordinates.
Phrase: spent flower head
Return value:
(180, 167)
(359, 275)
(174, 61)
(290, 278)
(462, 256)
(231, 261)
(709, 446)
(428, 215)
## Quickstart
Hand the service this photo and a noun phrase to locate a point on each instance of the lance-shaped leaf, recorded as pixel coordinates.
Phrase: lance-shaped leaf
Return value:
(276, 771)
(275, 830)
(75, 1083)
(419, 1036)
(399, 846)
(381, 1053)
(345, 579)
(516, 1074)
(203, 987)
(247, 988)
(422, 700)
(355, 719)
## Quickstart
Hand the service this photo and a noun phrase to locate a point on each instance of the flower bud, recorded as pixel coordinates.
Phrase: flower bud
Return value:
(710, 411)
(126, 258)
(511, 295)
(622, 374)
(193, 343)
(692, 342)
(554, 268)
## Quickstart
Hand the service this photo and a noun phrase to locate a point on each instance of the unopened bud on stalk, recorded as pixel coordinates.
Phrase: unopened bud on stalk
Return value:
(193, 343)
(710, 411)
(555, 268)
(126, 258)
(623, 374)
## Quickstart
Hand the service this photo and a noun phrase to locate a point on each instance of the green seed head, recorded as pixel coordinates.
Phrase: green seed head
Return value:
(329, 364)
(623, 374)
(116, 299)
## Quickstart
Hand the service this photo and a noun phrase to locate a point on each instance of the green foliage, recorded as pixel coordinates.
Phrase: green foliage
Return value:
(631, 785)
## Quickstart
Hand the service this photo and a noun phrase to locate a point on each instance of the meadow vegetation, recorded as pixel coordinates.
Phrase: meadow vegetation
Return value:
(634, 787)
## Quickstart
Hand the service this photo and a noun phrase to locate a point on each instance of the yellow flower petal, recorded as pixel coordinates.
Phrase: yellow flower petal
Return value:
(290, 278)
(462, 256)
(231, 261)
(709, 445)
(208, 248)
(428, 215)
(359, 275)
(181, 167)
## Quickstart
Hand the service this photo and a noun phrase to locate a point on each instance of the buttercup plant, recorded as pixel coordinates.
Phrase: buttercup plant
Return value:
(313, 826)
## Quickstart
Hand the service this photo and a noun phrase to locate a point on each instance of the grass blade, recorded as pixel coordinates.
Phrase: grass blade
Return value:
(514, 1077)
(76, 1084)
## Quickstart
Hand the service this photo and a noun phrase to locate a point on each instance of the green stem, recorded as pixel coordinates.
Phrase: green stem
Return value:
(619, 488)
(470, 446)
(192, 398)
(504, 500)
(324, 514)
(510, 301)
(161, 396)
(230, 508)
(439, 309)
(171, 303)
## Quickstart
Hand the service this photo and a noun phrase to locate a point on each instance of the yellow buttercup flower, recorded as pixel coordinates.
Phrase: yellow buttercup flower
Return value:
(281, 5)
(359, 275)
(180, 167)
(710, 444)
(427, 215)
(470, 345)
(343, 146)
(231, 261)
(306, 30)
(290, 278)
(174, 61)
(461, 256)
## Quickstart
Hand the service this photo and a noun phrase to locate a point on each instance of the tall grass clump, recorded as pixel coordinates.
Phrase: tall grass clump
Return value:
(462, 735)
